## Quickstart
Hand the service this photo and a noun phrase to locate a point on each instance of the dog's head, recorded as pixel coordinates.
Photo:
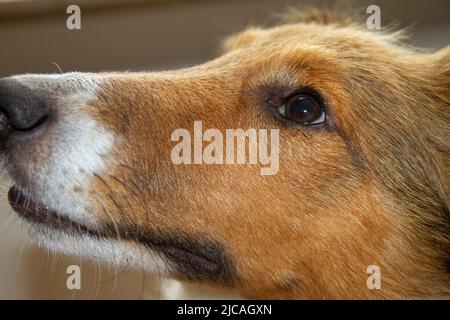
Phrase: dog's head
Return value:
(356, 128)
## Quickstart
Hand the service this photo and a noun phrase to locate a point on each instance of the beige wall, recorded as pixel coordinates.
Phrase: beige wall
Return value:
(137, 38)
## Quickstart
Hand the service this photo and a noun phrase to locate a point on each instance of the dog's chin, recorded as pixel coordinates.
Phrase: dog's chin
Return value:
(61, 234)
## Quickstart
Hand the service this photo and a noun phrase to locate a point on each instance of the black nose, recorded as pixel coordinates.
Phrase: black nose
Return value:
(21, 108)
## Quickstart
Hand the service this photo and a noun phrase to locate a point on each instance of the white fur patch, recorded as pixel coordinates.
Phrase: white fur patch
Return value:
(79, 144)
(77, 157)
(116, 253)
(78, 147)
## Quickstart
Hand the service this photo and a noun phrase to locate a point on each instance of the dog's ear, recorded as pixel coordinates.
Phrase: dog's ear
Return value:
(317, 16)
(443, 58)
(292, 15)
(241, 39)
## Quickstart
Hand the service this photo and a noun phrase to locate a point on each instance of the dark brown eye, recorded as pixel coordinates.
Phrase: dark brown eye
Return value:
(304, 109)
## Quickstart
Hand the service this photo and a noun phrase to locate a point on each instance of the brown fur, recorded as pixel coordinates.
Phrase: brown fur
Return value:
(372, 188)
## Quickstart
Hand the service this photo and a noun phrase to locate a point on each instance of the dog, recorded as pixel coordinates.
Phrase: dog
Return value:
(363, 181)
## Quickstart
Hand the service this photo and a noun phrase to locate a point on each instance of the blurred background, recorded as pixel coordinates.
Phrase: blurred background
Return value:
(138, 35)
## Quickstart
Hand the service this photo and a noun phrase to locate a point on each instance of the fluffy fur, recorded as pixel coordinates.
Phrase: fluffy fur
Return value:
(371, 187)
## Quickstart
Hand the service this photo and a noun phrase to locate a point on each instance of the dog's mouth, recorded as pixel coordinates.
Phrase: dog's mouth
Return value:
(38, 213)
(192, 257)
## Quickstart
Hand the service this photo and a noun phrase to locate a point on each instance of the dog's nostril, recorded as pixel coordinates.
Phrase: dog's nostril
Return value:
(21, 108)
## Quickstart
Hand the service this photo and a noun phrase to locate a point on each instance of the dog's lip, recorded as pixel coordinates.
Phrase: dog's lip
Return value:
(38, 213)
(190, 258)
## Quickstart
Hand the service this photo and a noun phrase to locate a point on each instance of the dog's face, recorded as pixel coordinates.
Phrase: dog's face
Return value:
(363, 144)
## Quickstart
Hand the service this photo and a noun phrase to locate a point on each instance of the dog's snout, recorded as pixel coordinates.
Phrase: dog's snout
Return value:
(21, 108)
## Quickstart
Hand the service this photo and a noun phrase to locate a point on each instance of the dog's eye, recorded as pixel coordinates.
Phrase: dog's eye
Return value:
(303, 108)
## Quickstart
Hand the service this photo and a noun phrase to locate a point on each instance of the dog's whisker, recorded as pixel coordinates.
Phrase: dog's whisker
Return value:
(58, 67)
(19, 256)
(97, 291)
(8, 221)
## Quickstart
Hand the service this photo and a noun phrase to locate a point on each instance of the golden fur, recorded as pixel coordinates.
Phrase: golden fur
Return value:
(370, 189)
